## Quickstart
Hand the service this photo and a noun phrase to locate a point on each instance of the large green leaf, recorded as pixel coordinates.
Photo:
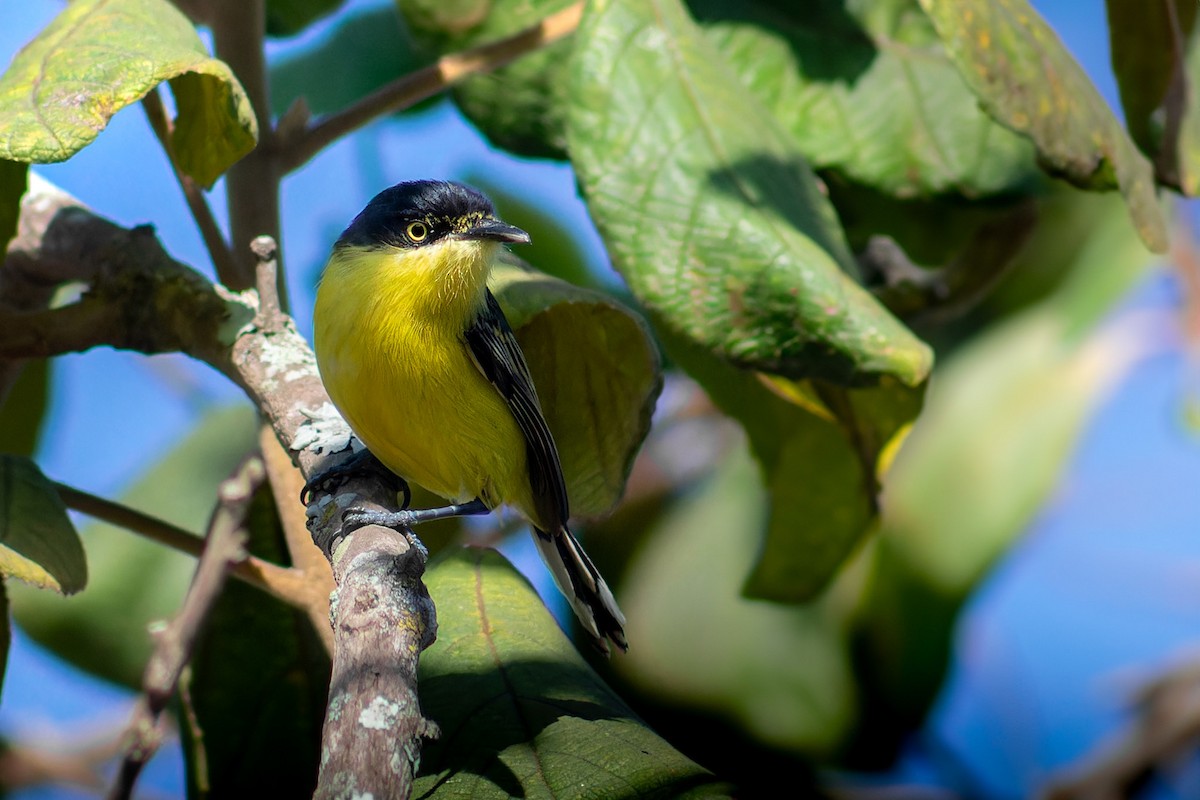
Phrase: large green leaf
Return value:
(133, 581)
(259, 681)
(99, 56)
(781, 672)
(38, 543)
(867, 89)
(597, 374)
(1027, 80)
(521, 714)
(708, 210)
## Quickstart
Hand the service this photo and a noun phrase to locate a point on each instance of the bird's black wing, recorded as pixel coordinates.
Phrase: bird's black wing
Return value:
(498, 356)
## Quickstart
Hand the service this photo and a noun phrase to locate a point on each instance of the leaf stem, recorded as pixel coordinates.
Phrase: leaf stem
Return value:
(429, 81)
(214, 240)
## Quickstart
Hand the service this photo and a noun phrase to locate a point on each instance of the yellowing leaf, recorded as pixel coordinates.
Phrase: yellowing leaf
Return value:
(38, 543)
(99, 56)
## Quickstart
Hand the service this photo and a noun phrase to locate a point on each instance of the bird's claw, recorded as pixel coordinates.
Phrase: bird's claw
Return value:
(361, 463)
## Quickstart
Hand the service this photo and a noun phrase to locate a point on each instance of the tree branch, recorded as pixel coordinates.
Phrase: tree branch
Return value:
(225, 545)
(425, 83)
(140, 298)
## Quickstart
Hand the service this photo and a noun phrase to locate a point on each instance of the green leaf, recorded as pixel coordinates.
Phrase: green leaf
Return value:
(289, 17)
(521, 714)
(382, 48)
(709, 212)
(780, 672)
(1145, 61)
(259, 681)
(104, 629)
(23, 411)
(597, 374)
(867, 90)
(38, 543)
(519, 107)
(99, 56)
(1027, 80)
(13, 179)
(823, 450)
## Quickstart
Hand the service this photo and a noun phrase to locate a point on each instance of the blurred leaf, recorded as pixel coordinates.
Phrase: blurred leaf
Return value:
(695, 641)
(365, 50)
(867, 89)
(1145, 61)
(1027, 80)
(134, 581)
(990, 447)
(99, 56)
(259, 680)
(289, 17)
(519, 107)
(823, 451)
(13, 176)
(38, 543)
(5, 632)
(713, 218)
(597, 374)
(556, 249)
(520, 712)
(23, 412)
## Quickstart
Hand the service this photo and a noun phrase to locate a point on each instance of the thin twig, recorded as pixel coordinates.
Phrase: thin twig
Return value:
(271, 578)
(214, 240)
(225, 546)
(425, 83)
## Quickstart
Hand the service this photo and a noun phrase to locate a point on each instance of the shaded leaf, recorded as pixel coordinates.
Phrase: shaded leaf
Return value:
(13, 178)
(867, 89)
(38, 543)
(289, 17)
(781, 672)
(597, 373)
(709, 212)
(104, 629)
(99, 56)
(382, 48)
(260, 675)
(23, 411)
(1027, 80)
(1146, 62)
(519, 107)
(823, 450)
(521, 714)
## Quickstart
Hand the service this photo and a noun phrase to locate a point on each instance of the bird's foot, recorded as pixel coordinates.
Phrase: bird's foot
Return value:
(406, 518)
(359, 464)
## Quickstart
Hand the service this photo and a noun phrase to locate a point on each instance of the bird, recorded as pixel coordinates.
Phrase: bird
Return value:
(417, 356)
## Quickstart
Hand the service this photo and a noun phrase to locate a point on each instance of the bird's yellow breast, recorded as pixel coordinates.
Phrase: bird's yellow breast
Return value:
(389, 341)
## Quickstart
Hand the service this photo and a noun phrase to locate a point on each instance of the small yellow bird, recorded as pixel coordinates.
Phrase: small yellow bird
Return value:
(419, 359)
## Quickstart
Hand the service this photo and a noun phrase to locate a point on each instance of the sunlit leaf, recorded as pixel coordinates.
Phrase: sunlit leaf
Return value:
(597, 374)
(1027, 80)
(695, 641)
(867, 89)
(133, 581)
(521, 714)
(99, 56)
(710, 213)
(258, 686)
(38, 543)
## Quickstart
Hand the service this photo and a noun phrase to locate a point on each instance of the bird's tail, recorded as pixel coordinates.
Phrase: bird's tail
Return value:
(579, 580)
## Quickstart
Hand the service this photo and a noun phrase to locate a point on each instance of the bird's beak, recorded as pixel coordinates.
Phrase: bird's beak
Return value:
(494, 229)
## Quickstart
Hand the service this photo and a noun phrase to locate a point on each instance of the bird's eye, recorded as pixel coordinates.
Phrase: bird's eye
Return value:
(417, 231)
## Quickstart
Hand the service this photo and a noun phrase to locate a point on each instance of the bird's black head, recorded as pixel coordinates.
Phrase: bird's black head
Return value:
(420, 213)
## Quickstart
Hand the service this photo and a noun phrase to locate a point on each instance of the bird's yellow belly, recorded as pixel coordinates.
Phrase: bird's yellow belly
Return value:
(431, 418)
